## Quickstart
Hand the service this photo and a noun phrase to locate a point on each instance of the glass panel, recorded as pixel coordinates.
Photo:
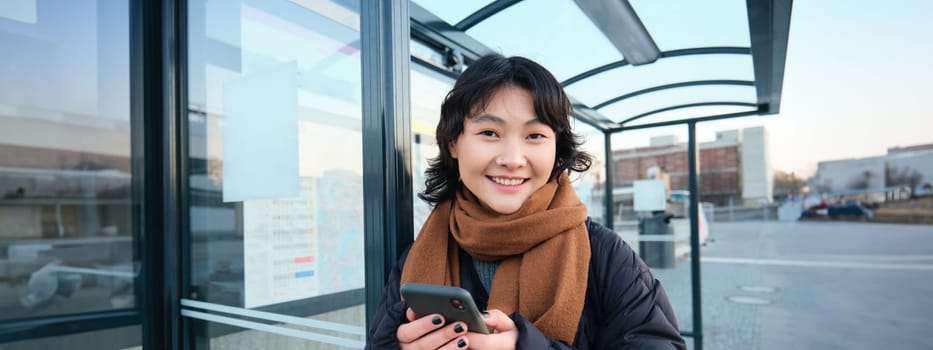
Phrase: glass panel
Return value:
(127, 338)
(554, 33)
(642, 158)
(66, 219)
(452, 11)
(593, 91)
(236, 335)
(735, 188)
(275, 156)
(590, 186)
(428, 89)
(710, 23)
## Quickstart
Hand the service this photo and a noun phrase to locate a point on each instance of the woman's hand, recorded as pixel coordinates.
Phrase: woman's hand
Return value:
(502, 332)
(429, 332)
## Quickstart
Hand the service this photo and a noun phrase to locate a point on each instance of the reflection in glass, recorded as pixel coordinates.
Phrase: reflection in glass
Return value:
(66, 224)
(275, 156)
(126, 338)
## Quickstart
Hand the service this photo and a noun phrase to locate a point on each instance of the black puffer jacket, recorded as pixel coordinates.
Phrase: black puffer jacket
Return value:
(625, 307)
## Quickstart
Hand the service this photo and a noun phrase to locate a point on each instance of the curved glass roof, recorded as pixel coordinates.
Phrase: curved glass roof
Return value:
(452, 11)
(555, 41)
(595, 90)
(692, 24)
(689, 61)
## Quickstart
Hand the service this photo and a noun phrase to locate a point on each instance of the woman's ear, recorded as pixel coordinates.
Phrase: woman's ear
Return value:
(453, 149)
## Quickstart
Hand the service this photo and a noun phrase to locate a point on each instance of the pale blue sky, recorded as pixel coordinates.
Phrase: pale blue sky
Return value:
(855, 74)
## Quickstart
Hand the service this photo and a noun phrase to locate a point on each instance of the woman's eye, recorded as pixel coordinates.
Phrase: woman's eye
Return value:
(536, 136)
(489, 133)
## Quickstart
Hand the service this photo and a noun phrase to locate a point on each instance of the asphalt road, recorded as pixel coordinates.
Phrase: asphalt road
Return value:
(813, 285)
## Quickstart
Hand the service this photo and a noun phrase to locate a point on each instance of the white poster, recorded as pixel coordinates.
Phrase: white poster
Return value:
(280, 248)
(260, 135)
(650, 195)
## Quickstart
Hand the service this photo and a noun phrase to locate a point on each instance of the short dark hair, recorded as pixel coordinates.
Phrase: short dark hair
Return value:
(472, 92)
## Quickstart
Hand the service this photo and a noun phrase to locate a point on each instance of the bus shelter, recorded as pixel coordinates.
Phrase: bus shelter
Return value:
(194, 174)
(627, 65)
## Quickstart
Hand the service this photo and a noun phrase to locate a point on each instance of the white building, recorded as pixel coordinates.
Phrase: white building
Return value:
(847, 175)
(869, 174)
(757, 174)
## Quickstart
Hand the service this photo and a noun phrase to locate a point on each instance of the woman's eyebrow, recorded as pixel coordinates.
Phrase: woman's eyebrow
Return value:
(487, 118)
(494, 119)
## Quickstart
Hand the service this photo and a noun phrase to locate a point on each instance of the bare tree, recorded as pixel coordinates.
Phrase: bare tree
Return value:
(903, 176)
(785, 184)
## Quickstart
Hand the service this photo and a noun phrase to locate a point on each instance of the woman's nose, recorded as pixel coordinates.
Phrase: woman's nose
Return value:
(512, 156)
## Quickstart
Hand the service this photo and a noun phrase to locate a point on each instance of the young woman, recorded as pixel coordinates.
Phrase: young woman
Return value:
(508, 227)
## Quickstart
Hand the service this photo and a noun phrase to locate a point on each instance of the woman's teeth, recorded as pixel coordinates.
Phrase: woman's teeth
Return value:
(508, 182)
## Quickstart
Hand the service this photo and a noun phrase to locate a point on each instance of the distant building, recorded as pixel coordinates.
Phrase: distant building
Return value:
(735, 168)
(850, 175)
(901, 167)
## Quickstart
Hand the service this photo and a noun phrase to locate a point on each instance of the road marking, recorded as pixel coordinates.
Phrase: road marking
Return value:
(758, 289)
(748, 300)
(814, 263)
(874, 257)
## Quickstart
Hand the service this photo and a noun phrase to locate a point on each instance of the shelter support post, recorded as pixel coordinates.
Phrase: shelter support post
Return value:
(693, 163)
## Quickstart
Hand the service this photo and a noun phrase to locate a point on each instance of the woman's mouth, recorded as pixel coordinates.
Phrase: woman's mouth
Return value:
(507, 181)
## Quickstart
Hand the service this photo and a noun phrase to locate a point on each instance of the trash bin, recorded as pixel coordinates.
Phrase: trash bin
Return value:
(656, 253)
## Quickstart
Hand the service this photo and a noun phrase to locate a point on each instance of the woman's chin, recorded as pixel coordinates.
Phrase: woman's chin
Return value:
(505, 208)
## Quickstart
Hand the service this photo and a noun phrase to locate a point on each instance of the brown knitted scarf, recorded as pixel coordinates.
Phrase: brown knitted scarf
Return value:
(543, 247)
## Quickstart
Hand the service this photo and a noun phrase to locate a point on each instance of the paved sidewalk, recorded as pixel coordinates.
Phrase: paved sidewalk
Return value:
(821, 285)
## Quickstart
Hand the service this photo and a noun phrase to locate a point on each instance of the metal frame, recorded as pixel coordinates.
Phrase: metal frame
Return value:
(160, 48)
(693, 161)
(718, 50)
(689, 105)
(769, 26)
(609, 215)
(159, 86)
(429, 28)
(387, 180)
(673, 86)
(681, 122)
(484, 13)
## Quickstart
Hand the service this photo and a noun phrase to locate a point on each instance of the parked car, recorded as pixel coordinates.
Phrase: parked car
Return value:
(849, 208)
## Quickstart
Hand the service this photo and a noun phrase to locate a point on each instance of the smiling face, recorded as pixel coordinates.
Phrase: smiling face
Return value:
(505, 153)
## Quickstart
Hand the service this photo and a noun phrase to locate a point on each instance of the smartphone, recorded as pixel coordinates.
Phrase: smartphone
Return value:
(454, 303)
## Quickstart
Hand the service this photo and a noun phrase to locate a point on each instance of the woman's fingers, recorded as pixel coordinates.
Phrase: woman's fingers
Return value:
(429, 333)
(502, 340)
(497, 321)
(451, 336)
(503, 334)
(458, 343)
(417, 328)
